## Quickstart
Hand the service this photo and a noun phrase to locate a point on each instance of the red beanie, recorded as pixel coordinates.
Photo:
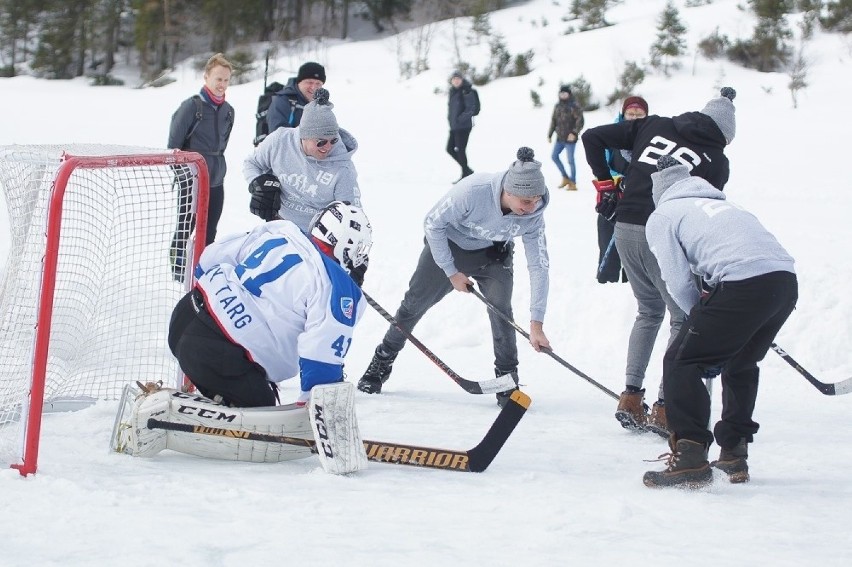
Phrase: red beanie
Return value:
(635, 101)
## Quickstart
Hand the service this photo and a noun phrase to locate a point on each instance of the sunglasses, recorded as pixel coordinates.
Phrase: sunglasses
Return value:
(322, 143)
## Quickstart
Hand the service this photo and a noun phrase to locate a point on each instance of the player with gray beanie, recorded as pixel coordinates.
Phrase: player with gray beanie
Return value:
(751, 290)
(697, 139)
(296, 172)
(469, 237)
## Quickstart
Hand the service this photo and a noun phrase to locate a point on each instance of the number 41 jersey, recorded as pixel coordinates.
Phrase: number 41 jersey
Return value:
(289, 305)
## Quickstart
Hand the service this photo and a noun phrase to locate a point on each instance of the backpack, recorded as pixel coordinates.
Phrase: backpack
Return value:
(475, 96)
(264, 101)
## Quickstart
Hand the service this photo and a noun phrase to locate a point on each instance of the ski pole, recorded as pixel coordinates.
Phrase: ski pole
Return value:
(546, 350)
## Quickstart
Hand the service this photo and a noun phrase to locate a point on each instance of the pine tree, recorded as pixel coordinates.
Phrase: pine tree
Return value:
(670, 42)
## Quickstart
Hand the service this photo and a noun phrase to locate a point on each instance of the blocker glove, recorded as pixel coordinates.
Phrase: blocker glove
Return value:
(265, 196)
(608, 196)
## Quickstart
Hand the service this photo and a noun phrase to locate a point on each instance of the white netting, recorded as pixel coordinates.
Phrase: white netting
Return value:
(115, 284)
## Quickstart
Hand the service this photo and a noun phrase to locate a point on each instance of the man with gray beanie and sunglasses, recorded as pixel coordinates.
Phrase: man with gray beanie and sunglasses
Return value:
(296, 172)
(697, 140)
(469, 236)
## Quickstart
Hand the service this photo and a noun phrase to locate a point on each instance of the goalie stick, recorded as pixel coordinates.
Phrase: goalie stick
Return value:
(492, 386)
(476, 459)
(838, 388)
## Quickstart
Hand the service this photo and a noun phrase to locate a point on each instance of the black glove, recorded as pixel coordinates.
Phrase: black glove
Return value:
(711, 372)
(500, 251)
(265, 196)
(607, 205)
(357, 273)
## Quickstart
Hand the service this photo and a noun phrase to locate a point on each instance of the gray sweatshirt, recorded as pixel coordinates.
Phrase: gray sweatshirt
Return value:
(307, 184)
(695, 230)
(471, 217)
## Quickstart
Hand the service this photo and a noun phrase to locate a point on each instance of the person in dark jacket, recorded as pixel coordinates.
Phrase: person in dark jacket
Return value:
(609, 264)
(695, 231)
(696, 139)
(203, 124)
(289, 103)
(463, 105)
(566, 122)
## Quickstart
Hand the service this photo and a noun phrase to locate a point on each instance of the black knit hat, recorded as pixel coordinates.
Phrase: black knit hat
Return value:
(565, 89)
(311, 70)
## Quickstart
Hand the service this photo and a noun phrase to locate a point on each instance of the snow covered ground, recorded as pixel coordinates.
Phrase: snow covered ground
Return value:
(566, 489)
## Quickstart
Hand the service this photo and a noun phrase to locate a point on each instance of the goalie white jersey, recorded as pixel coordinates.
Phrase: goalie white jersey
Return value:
(290, 306)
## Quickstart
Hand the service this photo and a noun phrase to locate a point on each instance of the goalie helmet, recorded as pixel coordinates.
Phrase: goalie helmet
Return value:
(346, 230)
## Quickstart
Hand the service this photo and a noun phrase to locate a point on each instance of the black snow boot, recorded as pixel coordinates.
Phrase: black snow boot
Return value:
(687, 466)
(377, 372)
(503, 397)
(734, 462)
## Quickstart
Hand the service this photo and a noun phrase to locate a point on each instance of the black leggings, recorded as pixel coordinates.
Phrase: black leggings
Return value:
(457, 147)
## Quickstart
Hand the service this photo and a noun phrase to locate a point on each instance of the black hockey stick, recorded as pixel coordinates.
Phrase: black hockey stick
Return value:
(492, 386)
(473, 460)
(838, 388)
(547, 351)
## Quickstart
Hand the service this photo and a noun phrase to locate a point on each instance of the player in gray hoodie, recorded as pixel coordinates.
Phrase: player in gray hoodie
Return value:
(469, 234)
(752, 289)
(296, 172)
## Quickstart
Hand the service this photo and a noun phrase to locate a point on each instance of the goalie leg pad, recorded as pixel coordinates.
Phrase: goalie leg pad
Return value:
(335, 428)
(131, 434)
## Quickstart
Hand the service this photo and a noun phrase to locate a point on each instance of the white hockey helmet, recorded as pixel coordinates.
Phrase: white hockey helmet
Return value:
(346, 229)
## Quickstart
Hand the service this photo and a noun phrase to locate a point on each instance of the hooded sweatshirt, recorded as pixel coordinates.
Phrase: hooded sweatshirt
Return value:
(692, 138)
(695, 230)
(307, 184)
(470, 215)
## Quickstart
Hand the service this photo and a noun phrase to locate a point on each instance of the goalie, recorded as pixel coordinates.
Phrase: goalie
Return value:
(268, 305)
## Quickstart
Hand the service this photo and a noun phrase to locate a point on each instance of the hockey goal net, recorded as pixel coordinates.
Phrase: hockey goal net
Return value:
(99, 243)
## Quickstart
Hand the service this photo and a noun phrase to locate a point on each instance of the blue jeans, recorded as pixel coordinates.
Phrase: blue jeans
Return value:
(569, 150)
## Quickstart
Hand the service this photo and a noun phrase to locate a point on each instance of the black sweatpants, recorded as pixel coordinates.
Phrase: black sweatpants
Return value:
(217, 366)
(732, 328)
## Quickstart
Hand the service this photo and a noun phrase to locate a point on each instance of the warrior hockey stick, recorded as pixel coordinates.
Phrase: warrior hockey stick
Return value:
(492, 386)
(473, 460)
(548, 351)
(838, 388)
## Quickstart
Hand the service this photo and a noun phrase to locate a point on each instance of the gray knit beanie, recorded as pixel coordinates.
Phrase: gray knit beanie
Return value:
(721, 110)
(524, 178)
(669, 172)
(318, 119)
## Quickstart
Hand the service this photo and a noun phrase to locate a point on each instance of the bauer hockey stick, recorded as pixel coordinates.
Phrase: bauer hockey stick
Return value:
(547, 351)
(472, 460)
(838, 388)
(492, 386)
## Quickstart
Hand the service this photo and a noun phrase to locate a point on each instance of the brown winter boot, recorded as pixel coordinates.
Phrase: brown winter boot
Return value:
(565, 181)
(571, 186)
(657, 422)
(734, 462)
(631, 410)
(686, 466)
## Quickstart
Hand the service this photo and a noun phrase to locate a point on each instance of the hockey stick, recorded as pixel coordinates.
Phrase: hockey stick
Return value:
(492, 386)
(838, 388)
(547, 351)
(472, 460)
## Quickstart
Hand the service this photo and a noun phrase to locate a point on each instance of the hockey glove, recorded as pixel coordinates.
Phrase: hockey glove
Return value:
(357, 273)
(608, 195)
(711, 372)
(265, 196)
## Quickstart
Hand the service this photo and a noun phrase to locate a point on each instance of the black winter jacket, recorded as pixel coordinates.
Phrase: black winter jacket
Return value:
(692, 137)
(286, 108)
(209, 136)
(463, 106)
